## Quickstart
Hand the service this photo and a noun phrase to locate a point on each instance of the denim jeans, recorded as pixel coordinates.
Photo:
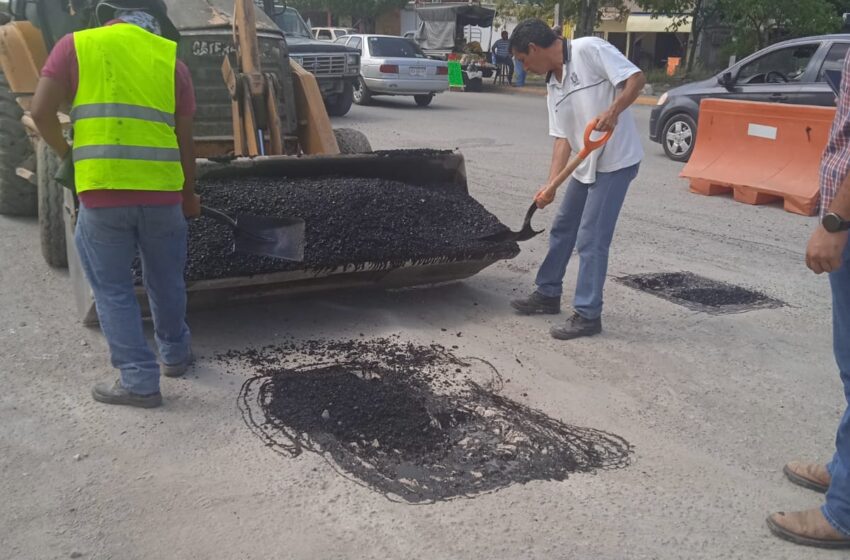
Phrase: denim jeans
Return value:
(519, 69)
(107, 240)
(586, 221)
(837, 507)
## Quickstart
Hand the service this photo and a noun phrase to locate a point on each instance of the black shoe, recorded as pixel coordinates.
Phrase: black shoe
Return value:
(537, 303)
(115, 393)
(576, 327)
(177, 370)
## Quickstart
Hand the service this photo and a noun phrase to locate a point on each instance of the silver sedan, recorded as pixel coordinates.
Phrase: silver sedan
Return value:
(395, 66)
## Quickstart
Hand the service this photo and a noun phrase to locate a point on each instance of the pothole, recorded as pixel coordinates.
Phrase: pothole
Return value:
(700, 293)
(416, 423)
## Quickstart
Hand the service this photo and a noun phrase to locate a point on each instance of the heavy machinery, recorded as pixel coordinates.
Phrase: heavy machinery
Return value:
(245, 83)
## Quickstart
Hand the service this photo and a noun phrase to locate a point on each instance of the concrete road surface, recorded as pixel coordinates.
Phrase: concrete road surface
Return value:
(714, 404)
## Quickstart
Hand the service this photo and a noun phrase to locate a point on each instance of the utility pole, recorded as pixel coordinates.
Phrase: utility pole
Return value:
(588, 12)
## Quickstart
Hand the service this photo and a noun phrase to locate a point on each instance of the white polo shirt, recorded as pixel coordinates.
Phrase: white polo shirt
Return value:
(587, 90)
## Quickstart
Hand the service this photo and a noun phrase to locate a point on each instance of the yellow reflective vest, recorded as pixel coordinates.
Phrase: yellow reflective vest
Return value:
(123, 112)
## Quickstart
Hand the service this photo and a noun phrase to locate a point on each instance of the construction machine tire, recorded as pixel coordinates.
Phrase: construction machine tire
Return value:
(352, 141)
(361, 93)
(51, 226)
(18, 196)
(341, 104)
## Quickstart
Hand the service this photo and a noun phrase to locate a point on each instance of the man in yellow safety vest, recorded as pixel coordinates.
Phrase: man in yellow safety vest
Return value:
(132, 107)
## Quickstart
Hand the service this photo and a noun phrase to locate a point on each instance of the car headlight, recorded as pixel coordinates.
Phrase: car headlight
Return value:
(663, 99)
(352, 61)
(298, 60)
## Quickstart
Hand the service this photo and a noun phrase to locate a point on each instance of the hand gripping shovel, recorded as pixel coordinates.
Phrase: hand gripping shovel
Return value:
(527, 232)
(278, 238)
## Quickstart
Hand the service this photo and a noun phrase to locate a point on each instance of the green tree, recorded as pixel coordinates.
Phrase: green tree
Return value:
(584, 13)
(758, 23)
(698, 12)
(365, 12)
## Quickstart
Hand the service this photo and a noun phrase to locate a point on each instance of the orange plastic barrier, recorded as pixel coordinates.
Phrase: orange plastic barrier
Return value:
(762, 152)
(673, 65)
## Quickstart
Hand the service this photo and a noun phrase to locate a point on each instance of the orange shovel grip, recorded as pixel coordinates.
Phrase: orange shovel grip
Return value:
(589, 144)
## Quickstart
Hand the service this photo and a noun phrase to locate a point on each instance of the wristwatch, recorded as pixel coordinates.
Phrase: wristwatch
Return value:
(833, 223)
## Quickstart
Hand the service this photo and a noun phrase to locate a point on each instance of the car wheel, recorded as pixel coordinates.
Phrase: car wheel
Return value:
(679, 136)
(342, 103)
(361, 94)
(423, 100)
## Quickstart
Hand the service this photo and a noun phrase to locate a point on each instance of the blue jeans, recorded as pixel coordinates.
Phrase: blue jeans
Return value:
(837, 507)
(519, 71)
(586, 220)
(107, 240)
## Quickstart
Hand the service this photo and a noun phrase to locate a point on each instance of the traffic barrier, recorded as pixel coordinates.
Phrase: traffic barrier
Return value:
(673, 65)
(761, 152)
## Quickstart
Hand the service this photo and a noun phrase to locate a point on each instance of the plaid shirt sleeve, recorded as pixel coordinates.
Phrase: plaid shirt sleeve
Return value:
(836, 157)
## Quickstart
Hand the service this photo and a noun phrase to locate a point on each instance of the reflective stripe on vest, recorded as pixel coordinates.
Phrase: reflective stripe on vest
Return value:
(96, 110)
(123, 112)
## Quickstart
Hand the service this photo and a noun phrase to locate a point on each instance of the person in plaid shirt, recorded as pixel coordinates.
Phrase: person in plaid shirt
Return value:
(829, 525)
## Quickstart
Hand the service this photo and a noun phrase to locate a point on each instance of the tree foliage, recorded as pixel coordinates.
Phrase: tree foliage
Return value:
(584, 13)
(360, 11)
(758, 23)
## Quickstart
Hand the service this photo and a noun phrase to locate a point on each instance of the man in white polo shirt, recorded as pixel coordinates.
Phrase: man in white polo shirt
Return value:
(587, 79)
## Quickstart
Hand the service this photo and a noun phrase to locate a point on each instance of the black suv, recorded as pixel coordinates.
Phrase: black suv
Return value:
(787, 72)
(336, 67)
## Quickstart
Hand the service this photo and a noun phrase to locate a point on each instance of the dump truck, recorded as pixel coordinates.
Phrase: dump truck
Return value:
(277, 126)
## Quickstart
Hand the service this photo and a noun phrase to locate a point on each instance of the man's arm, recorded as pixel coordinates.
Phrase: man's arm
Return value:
(560, 158)
(826, 250)
(186, 141)
(49, 96)
(631, 90)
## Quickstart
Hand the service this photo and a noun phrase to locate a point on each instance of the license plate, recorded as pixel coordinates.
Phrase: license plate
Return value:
(417, 71)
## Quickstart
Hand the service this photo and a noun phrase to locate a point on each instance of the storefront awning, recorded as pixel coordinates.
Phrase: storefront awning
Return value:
(644, 23)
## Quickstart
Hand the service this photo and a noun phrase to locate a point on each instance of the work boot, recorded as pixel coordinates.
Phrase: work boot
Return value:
(115, 393)
(536, 304)
(813, 476)
(177, 370)
(809, 528)
(576, 327)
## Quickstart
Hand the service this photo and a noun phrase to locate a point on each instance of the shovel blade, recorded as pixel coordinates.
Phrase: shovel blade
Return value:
(278, 238)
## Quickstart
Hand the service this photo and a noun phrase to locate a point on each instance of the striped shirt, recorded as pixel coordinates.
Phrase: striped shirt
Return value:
(835, 163)
(502, 48)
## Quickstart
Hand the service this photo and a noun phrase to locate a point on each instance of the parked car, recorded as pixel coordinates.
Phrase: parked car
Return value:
(787, 72)
(336, 67)
(392, 65)
(331, 33)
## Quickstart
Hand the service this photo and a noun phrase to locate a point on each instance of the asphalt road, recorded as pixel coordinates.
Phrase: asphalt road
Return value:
(714, 404)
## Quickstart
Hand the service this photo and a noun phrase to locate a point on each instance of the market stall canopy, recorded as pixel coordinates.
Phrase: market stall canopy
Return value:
(439, 23)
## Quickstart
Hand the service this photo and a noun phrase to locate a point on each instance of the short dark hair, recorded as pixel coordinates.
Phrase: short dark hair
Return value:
(532, 31)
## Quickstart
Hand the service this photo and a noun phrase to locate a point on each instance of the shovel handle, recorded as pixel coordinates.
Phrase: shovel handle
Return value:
(218, 216)
(590, 144)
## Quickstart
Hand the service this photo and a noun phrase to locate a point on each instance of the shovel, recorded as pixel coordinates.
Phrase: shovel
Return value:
(278, 238)
(527, 232)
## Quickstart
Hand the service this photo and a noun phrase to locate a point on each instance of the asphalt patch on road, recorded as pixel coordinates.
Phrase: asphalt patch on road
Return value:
(700, 293)
(415, 423)
(351, 223)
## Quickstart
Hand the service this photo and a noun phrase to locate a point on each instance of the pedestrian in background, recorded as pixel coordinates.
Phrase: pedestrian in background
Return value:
(828, 526)
(132, 106)
(502, 55)
(587, 80)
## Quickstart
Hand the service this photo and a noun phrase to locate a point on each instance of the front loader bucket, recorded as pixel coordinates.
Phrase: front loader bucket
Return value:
(420, 168)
